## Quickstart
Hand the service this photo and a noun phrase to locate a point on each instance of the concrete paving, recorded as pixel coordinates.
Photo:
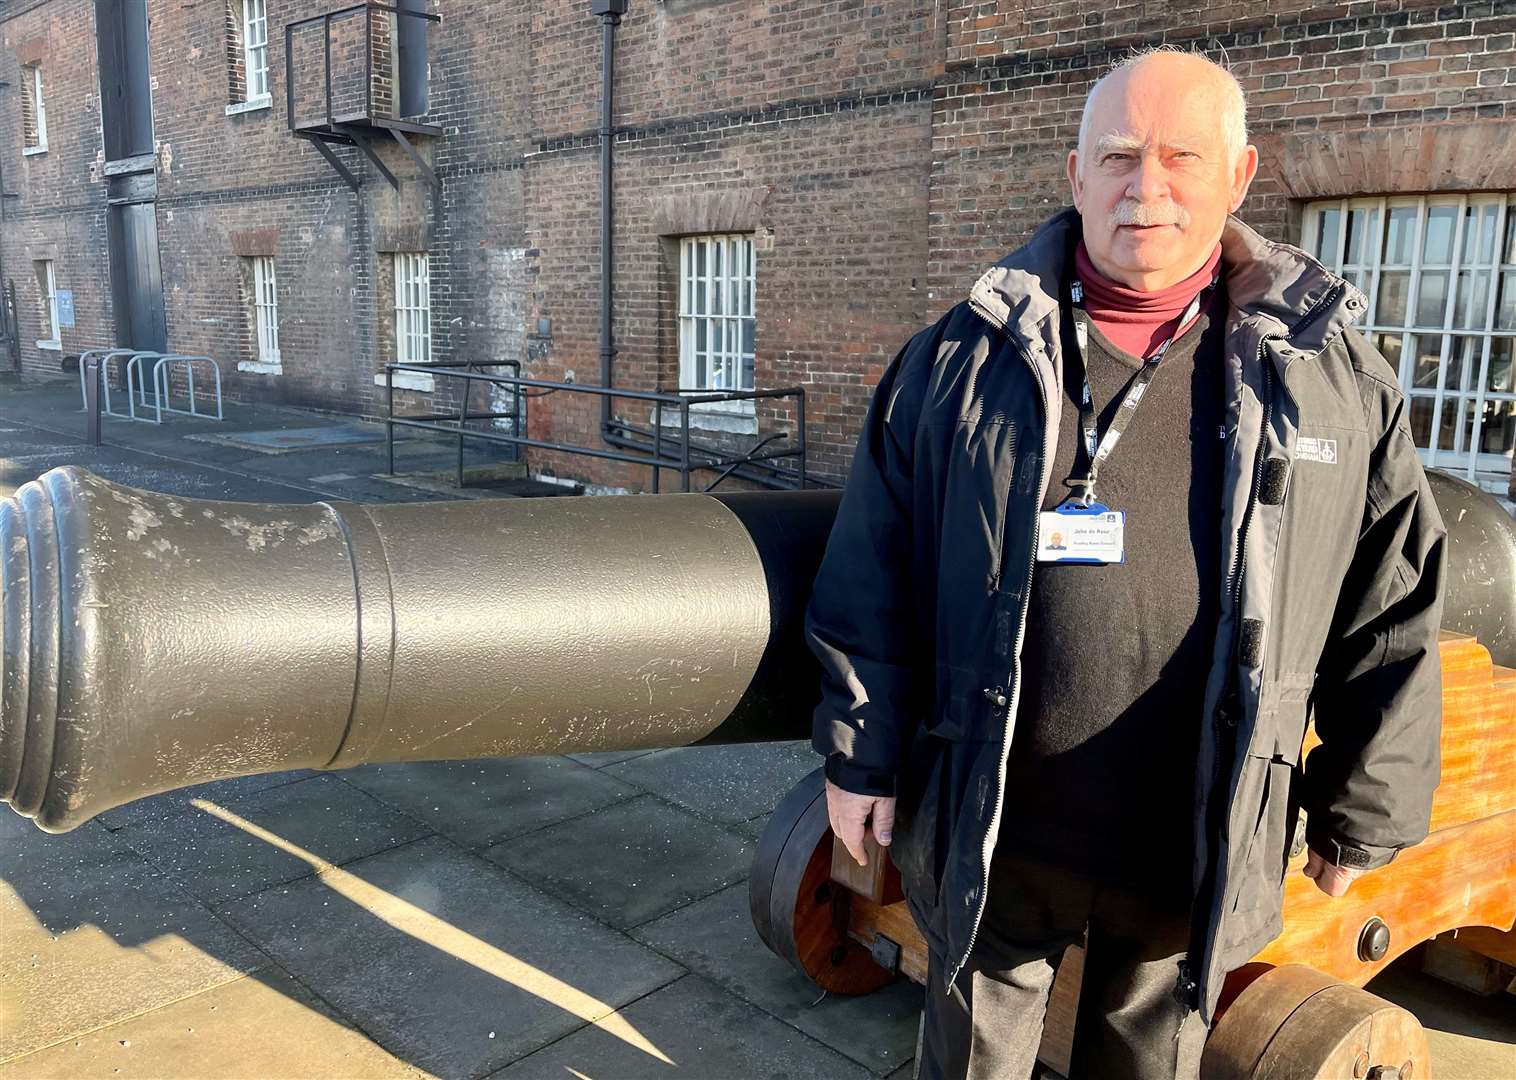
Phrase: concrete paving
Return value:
(560, 916)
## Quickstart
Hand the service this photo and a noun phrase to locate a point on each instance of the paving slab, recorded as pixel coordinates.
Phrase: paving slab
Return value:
(265, 1025)
(724, 783)
(599, 759)
(217, 860)
(449, 963)
(715, 937)
(476, 803)
(697, 1030)
(93, 934)
(170, 803)
(1470, 1037)
(630, 862)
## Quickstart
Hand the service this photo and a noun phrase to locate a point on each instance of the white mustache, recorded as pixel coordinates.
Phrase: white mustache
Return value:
(1131, 212)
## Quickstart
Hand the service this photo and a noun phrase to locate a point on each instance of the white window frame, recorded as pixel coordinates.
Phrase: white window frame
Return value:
(1491, 471)
(266, 312)
(39, 109)
(255, 43)
(49, 284)
(413, 307)
(718, 305)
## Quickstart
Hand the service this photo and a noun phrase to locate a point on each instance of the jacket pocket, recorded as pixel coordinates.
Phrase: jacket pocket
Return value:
(1256, 910)
(919, 819)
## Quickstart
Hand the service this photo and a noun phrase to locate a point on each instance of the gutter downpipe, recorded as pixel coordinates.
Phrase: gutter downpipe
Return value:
(610, 12)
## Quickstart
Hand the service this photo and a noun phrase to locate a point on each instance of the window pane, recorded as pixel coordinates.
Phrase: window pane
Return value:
(1509, 247)
(1499, 378)
(1394, 292)
(1432, 299)
(1473, 299)
(1389, 346)
(1421, 420)
(1399, 236)
(1327, 224)
(1479, 233)
(1427, 360)
(1447, 424)
(1463, 363)
(1498, 434)
(1362, 225)
(1505, 302)
(1439, 241)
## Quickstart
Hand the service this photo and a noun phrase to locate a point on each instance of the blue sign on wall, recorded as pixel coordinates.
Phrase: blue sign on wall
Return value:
(65, 307)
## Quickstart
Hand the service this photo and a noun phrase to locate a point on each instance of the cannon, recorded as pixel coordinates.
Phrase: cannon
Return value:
(151, 642)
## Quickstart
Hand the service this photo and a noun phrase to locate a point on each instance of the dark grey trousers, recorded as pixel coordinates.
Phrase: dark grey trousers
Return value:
(1129, 1023)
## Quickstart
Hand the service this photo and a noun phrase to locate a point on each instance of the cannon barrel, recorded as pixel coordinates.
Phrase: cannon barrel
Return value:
(153, 642)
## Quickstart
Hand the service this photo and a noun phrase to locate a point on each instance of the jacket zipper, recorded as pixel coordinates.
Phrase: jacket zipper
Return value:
(996, 696)
(1230, 705)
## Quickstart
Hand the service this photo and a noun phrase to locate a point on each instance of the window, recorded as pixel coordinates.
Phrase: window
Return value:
(413, 308)
(247, 52)
(1440, 274)
(33, 110)
(47, 292)
(265, 311)
(255, 47)
(716, 322)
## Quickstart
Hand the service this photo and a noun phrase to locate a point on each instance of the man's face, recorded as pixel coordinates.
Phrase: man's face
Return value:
(1158, 180)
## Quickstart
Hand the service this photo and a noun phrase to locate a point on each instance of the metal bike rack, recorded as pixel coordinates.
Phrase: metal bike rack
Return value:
(161, 372)
(135, 379)
(105, 356)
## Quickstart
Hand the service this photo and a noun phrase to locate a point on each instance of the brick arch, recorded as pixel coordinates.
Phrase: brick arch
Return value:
(1389, 161)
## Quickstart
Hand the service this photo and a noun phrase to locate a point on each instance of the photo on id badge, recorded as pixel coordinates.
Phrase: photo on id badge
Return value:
(1076, 533)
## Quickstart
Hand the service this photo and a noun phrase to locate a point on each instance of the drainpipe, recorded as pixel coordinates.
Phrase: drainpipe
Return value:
(610, 12)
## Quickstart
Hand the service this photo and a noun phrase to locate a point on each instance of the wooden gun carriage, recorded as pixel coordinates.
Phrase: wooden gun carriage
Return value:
(149, 643)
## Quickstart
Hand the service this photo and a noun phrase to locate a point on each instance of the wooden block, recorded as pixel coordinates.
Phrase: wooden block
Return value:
(878, 882)
(1444, 958)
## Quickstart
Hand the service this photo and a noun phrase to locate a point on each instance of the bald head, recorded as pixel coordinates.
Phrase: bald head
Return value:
(1162, 159)
(1165, 70)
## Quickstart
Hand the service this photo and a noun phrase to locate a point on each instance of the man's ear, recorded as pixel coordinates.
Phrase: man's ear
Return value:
(1242, 175)
(1078, 188)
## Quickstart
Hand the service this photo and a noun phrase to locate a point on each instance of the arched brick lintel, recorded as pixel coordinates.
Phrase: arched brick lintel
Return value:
(1412, 159)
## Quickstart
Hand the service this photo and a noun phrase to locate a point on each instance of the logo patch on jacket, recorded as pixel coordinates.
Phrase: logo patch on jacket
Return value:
(1313, 449)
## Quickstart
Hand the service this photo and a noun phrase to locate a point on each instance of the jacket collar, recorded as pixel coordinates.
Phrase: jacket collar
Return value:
(1280, 288)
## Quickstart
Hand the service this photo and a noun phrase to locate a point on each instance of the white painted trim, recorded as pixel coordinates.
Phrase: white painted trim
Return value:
(33, 151)
(407, 380)
(257, 368)
(51, 346)
(250, 105)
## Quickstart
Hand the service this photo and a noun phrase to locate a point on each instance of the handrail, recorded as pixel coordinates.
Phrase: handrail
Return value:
(685, 463)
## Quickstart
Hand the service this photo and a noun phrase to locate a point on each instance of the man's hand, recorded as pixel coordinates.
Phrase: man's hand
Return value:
(1332, 880)
(850, 814)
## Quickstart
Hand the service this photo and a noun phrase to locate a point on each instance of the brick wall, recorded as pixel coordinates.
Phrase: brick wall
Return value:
(879, 155)
(58, 209)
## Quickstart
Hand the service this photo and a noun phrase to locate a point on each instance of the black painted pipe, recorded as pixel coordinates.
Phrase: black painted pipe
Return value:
(152, 642)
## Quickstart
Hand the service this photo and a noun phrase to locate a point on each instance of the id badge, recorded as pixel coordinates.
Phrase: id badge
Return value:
(1082, 534)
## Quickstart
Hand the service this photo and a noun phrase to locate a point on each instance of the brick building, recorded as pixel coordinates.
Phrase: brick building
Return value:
(839, 173)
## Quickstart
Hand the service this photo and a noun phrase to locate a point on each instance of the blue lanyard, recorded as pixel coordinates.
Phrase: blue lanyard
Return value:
(1099, 444)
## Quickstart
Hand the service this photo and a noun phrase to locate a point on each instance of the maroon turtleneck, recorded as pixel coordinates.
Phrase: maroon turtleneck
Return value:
(1137, 322)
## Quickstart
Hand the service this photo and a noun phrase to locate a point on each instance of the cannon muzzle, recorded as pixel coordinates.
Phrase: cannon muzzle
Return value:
(153, 642)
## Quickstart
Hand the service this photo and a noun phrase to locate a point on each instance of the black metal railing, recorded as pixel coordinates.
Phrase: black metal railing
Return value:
(661, 451)
(326, 20)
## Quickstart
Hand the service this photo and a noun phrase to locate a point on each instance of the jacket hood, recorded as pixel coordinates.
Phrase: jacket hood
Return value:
(1280, 287)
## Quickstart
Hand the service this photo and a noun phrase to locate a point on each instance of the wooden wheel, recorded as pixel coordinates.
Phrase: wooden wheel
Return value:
(797, 910)
(1295, 1022)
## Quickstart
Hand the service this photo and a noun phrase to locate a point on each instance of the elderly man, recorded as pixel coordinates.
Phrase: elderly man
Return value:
(1117, 527)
